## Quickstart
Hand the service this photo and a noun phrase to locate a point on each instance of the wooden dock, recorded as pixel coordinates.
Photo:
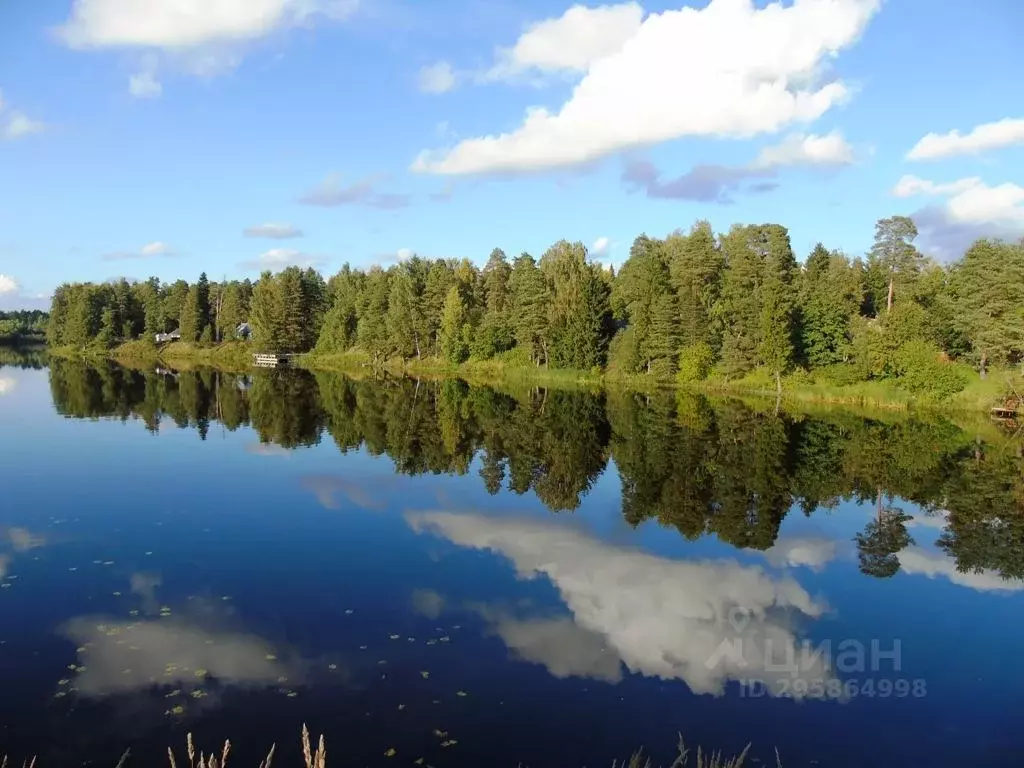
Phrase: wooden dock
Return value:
(271, 360)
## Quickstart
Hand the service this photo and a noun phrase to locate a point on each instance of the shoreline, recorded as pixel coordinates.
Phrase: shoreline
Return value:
(977, 398)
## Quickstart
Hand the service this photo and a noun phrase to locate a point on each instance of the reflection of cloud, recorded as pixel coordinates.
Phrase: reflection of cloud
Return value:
(144, 585)
(120, 657)
(7, 383)
(427, 602)
(267, 449)
(938, 521)
(23, 539)
(327, 487)
(808, 551)
(664, 618)
(560, 644)
(920, 561)
(5, 562)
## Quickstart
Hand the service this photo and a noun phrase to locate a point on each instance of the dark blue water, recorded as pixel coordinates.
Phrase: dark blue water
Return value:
(471, 576)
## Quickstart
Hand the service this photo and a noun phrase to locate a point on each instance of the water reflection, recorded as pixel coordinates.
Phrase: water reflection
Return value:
(703, 622)
(721, 468)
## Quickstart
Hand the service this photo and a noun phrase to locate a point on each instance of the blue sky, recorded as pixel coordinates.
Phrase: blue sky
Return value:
(147, 138)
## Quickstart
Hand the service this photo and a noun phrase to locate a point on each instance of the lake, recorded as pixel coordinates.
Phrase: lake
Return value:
(431, 573)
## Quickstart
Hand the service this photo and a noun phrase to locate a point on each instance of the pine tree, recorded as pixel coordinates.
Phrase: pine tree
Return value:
(894, 252)
(265, 316)
(695, 265)
(530, 298)
(371, 328)
(402, 318)
(988, 286)
(190, 320)
(440, 277)
(777, 300)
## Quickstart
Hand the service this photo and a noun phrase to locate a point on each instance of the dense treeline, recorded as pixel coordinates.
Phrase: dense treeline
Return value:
(692, 304)
(106, 314)
(702, 468)
(23, 325)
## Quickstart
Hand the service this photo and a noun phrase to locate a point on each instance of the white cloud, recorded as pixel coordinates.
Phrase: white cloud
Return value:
(436, 78)
(7, 385)
(156, 248)
(806, 149)
(151, 250)
(809, 552)
(8, 284)
(753, 71)
(331, 193)
(279, 258)
(1001, 133)
(200, 37)
(17, 124)
(600, 247)
(970, 200)
(703, 622)
(273, 231)
(570, 43)
(144, 85)
(179, 24)
(917, 560)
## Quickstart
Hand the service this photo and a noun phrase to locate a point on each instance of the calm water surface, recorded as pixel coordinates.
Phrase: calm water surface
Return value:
(470, 576)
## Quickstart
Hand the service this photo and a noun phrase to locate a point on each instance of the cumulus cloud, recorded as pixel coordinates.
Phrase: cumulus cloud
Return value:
(987, 136)
(436, 78)
(273, 231)
(573, 42)
(801, 149)
(969, 209)
(920, 561)
(713, 183)
(600, 247)
(279, 258)
(202, 37)
(185, 24)
(703, 622)
(808, 551)
(121, 657)
(331, 193)
(760, 70)
(148, 251)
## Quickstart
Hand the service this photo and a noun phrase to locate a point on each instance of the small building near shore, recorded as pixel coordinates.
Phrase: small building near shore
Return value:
(174, 335)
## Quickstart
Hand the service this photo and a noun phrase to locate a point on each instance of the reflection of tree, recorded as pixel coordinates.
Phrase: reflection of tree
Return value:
(883, 538)
(720, 468)
(985, 499)
(31, 357)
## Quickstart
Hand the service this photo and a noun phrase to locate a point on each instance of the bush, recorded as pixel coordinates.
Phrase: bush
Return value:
(695, 362)
(840, 375)
(920, 371)
(622, 354)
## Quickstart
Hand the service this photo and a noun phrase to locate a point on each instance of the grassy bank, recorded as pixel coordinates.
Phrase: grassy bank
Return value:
(510, 372)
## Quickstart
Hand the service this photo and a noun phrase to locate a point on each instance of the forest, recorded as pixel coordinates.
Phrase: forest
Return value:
(23, 326)
(699, 466)
(692, 305)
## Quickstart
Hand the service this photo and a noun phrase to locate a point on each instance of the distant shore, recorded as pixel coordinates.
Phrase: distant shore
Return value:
(979, 395)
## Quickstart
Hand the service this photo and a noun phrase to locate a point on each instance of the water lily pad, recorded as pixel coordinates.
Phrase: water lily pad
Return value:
(401, 707)
(332, 666)
(461, 693)
(424, 674)
(392, 637)
(270, 657)
(390, 752)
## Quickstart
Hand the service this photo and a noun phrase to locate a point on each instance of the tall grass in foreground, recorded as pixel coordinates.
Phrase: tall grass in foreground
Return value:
(317, 758)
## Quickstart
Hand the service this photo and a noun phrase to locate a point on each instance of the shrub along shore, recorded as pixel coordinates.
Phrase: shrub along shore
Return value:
(976, 395)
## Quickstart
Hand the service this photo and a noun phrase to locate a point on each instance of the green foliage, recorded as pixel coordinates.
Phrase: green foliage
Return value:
(454, 330)
(740, 295)
(919, 368)
(695, 362)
